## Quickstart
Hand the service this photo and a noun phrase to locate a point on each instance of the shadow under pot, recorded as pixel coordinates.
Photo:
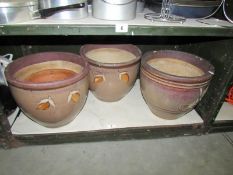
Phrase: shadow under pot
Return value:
(50, 87)
(113, 69)
(173, 82)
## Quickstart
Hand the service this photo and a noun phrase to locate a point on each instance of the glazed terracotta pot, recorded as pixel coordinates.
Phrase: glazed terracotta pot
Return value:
(173, 82)
(51, 87)
(113, 69)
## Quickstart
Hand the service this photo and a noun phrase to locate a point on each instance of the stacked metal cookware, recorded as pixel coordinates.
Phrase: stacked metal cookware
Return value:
(15, 11)
(63, 9)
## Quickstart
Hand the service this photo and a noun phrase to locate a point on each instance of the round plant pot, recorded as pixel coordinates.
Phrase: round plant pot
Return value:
(173, 82)
(51, 99)
(112, 78)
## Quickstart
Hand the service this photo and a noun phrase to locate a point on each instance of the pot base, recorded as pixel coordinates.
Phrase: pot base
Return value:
(166, 114)
(53, 125)
(109, 98)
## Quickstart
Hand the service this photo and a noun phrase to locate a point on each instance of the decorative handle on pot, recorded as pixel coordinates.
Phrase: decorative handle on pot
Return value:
(124, 76)
(4, 61)
(122, 2)
(99, 79)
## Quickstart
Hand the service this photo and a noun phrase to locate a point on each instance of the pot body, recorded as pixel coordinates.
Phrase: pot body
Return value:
(18, 12)
(112, 88)
(111, 81)
(61, 110)
(54, 103)
(114, 9)
(170, 97)
(169, 102)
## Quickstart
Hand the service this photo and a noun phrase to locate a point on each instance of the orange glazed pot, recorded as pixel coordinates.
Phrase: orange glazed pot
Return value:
(173, 82)
(51, 87)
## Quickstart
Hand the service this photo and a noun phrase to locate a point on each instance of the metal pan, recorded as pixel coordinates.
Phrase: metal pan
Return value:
(47, 4)
(14, 11)
(60, 9)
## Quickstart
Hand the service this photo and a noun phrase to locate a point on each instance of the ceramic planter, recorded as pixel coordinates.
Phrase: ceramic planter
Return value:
(51, 103)
(169, 95)
(111, 81)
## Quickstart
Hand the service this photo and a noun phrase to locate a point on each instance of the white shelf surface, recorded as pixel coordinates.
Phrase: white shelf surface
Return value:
(131, 111)
(139, 21)
(225, 113)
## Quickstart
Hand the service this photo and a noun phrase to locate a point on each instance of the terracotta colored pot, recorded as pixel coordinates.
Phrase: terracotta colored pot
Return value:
(176, 85)
(111, 79)
(51, 99)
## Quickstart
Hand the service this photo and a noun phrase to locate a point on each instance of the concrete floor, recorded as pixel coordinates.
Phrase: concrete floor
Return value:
(196, 155)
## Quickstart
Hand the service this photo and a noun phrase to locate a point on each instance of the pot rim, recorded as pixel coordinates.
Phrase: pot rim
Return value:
(127, 47)
(195, 60)
(41, 57)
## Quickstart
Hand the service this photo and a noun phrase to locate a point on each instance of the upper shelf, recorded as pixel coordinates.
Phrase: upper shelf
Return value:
(137, 27)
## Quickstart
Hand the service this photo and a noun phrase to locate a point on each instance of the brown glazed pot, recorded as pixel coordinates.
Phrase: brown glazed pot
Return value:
(54, 103)
(170, 96)
(112, 81)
